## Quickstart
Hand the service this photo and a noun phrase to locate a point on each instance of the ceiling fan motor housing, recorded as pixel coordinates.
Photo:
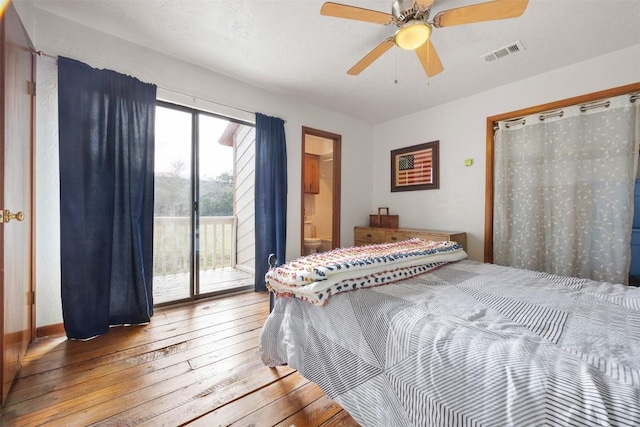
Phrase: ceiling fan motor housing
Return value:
(405, 10)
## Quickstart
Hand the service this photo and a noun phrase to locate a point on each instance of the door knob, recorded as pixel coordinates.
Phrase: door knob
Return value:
(8, 216)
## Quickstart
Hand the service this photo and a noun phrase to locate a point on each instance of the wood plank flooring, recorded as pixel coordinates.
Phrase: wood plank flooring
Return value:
(193, 365)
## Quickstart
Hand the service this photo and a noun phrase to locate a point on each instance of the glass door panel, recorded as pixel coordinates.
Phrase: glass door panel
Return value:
(217, 223)
(172, 243)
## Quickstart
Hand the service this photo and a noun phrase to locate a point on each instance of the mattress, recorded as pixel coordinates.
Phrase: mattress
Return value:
(469, 344)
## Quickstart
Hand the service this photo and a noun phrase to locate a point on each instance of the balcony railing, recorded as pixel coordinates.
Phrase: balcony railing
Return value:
(172, 244)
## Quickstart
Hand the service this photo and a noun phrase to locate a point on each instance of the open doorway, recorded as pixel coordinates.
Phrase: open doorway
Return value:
(320, 207)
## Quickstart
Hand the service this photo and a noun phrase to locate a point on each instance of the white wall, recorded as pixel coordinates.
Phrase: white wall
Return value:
(57, 36)
(460, 126)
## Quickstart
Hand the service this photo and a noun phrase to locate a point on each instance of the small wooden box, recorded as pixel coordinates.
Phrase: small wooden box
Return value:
(383, 221)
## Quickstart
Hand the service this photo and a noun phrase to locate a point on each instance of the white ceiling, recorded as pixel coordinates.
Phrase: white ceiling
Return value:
(287, 47)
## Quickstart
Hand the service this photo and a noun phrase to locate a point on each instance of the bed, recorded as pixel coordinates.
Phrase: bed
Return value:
(463, 343)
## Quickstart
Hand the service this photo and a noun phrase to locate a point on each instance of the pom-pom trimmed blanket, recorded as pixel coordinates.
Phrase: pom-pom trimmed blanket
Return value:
(318, 276)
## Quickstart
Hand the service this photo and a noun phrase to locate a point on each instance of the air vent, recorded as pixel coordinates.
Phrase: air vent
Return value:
(508, 50)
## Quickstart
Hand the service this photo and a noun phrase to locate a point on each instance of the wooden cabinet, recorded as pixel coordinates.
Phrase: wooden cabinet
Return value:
(369, 235)
(311, 173)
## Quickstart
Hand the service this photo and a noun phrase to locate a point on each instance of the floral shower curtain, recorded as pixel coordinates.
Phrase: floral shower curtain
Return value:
(563, 191)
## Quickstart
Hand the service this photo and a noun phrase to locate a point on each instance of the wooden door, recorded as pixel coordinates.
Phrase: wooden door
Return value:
(16, 142)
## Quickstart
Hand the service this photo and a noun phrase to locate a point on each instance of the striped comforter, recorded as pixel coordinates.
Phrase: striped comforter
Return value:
(469, 344)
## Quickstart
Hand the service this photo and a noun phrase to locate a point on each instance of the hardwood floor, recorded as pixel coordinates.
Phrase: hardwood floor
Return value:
(193, 365)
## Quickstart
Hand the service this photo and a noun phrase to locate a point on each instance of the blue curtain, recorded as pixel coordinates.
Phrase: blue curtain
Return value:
(271, 194)
(106, 125)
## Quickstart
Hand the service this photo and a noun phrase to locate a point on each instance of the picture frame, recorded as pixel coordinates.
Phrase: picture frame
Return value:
(415, 167)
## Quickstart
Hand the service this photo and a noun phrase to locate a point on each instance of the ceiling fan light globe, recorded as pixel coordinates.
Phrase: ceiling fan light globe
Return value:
(412, 35)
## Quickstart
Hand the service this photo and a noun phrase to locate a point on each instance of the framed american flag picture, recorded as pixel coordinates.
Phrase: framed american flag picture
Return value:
(415, 167)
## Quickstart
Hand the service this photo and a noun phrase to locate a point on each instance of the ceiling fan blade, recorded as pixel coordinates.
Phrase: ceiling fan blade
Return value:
(371, 56)
(490, 11)
(429, 59)
(424, 3)
(359, 14)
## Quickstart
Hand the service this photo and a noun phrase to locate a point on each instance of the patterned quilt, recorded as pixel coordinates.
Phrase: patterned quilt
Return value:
(316, 277)
(469, 344)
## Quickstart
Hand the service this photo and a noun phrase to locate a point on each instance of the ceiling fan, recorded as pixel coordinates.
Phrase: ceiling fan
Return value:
(414, 30)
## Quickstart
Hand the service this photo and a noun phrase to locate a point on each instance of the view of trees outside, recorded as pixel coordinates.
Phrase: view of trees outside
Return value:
(173, 198)
(173, 166)
(216, 169)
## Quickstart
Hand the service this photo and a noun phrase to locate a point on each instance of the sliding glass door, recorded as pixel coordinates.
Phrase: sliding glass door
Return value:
(217, 224)
(195, 234)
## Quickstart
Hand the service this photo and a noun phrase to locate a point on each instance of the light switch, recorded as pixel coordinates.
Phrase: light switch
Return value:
(468, 162)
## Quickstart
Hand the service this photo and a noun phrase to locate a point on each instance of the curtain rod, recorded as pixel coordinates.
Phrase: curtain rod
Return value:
(559, 113)
(41, 53)
(549, 114)
(206, 100)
